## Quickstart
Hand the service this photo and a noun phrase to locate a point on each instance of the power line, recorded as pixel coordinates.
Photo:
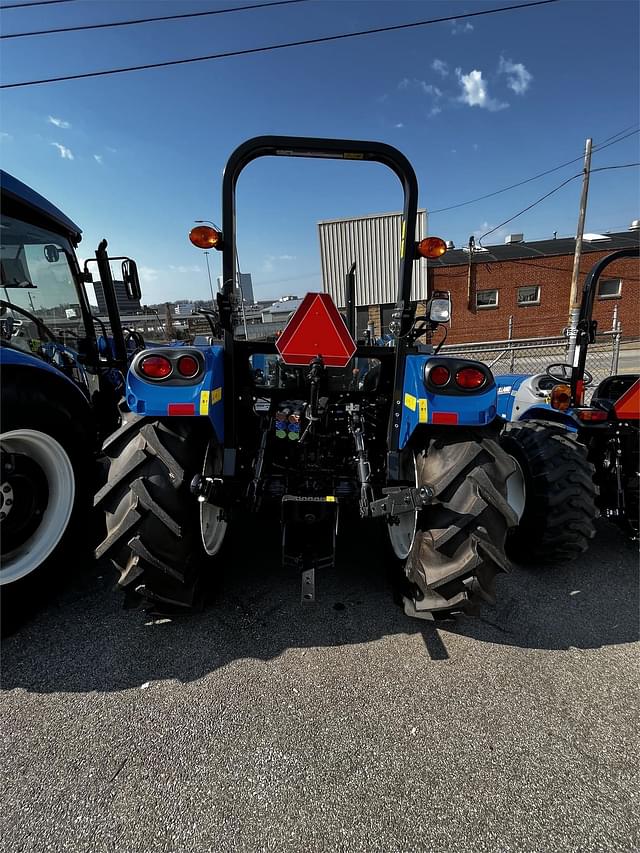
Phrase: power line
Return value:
(551, 192)
(34, 3)
(146, 20)
(600, 147)
(266, 48)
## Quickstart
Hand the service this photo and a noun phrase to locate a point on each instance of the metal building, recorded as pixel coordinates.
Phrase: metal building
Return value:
(373, 242)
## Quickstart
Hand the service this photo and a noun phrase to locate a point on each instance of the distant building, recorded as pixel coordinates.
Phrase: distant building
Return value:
(281, 310)
(246, 286)
(125, 305)
(184, 309)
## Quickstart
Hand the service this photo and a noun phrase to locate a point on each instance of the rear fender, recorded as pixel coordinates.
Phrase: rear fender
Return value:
(422, 406)
(544, 412)
(200, 397)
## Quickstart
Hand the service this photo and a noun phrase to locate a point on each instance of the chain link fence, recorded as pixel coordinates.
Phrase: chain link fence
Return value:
(534, 355)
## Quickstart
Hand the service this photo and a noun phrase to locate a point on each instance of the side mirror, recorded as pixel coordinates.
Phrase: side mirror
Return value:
(439, 307)
(130, 279)
(52, 254)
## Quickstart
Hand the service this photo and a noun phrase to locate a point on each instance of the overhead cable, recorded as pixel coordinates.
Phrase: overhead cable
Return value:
(551, 192)
(282, 46)
(133, 21)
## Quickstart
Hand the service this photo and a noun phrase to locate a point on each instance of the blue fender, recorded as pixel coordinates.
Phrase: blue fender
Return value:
(201, 398)
(544, 412)
(421, 406)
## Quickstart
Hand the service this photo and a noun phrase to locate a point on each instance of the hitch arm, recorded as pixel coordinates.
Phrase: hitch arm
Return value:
(397, 501)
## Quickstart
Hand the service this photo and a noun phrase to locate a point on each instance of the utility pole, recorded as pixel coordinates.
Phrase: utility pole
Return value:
(574, 303)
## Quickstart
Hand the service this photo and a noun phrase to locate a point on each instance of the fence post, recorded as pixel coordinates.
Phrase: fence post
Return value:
(617, 334)
(512, 358)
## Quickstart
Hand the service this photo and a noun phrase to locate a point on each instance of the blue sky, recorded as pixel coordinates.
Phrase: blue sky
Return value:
(476, 106)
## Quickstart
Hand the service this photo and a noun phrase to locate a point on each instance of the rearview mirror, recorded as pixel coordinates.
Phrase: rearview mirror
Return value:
(130, 279)
(52, 254)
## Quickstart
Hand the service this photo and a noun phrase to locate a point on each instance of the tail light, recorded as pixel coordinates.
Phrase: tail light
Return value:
(439, 376)
(561, 398)
(591, 415)
(470, 378)
(188, 366)
(155, 367)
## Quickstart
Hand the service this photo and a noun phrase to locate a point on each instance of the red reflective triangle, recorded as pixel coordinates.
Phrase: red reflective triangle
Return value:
(316, 329)
(628, 406)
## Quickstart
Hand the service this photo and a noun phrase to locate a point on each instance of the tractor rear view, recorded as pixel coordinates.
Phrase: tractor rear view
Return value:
(323, 434)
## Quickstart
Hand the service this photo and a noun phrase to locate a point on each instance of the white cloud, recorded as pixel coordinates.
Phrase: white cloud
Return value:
(475, 146)
(399, 125)
(185, 269)
(434, 111)
(457, 28)
(5, 135)
(441, 67)
(518, 78)
(65, 153)
(269, 263)
(427, 88)
(475, 92)
(59, 122)
(147, 274)
(98, 159)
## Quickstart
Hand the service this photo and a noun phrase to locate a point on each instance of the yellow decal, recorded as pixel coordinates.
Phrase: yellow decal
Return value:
(422, 411)
(354, 156)
(204, 402)
(330, 499)
(410, 402)
(216, 396)
(403, 240)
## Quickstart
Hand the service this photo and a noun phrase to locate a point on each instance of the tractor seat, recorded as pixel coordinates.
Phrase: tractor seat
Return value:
(612, 388)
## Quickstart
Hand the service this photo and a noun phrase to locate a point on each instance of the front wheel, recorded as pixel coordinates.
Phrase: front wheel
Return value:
(455, 546)
(159, 536)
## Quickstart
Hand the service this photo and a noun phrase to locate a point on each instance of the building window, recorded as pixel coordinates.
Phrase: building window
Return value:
(610, 288)
(529, 295)
(487, 299)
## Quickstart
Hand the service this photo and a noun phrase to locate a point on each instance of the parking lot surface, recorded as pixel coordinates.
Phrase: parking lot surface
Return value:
(264, 724)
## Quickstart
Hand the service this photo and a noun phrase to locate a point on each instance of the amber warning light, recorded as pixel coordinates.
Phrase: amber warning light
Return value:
(205, 237)
(431, 247)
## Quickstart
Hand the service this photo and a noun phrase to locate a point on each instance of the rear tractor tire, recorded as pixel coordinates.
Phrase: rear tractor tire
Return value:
(159, 536)
(457, 545)
(560, 494)
(47, 458)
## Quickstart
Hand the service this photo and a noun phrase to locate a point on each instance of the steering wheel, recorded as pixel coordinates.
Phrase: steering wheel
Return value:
(562, 373)
(42, 327)
(130, 335)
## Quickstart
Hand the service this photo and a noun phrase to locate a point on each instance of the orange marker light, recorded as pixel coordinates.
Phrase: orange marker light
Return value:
(431, 247)
(206, 237)
(561, 398)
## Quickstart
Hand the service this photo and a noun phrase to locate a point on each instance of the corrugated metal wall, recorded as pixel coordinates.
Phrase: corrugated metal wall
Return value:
(373, 242)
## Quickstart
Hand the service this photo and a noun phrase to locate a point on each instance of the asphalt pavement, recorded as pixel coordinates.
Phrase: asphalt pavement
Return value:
(262, 723)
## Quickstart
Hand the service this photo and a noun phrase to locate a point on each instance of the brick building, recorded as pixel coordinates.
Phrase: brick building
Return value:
(530, 283)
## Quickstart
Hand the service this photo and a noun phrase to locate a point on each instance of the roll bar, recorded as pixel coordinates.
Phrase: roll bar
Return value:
(329, 149)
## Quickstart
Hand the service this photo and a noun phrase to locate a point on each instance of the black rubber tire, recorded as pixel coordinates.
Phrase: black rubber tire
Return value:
(152, 518)
(25, 406)
(459, 545)
(560, 506)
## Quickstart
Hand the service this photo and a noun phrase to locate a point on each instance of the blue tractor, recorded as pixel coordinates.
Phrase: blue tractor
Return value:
(62, 380)
(575, 459)
(288, 428)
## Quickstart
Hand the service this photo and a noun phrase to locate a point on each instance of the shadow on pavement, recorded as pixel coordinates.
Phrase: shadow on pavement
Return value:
(85, 640)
